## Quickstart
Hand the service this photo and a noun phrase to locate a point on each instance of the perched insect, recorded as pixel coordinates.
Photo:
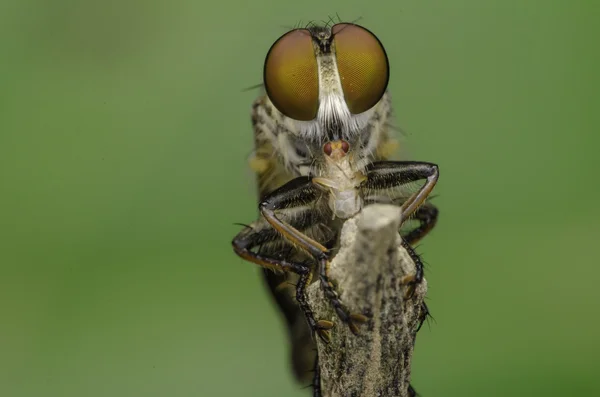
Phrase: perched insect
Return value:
(322, 143)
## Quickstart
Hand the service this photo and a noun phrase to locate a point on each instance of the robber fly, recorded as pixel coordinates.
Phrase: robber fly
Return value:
(322, 146)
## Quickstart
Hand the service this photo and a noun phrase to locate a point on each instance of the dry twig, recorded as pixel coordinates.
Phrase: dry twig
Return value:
(369, 268)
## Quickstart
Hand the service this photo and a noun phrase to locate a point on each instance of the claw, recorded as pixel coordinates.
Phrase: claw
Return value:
(325, 335)
(354, 319)
(351, 319)
(322, 328)
(409, 278)
(324, 324)
(410, 282)
(359, 318)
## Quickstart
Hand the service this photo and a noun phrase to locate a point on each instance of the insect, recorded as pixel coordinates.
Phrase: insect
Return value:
(322, 146)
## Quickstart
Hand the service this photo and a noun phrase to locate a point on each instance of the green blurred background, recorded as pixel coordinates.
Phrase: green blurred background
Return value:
(124, 133)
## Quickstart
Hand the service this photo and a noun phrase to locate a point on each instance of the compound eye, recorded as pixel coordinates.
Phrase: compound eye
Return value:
(291, 75)
(362, 64)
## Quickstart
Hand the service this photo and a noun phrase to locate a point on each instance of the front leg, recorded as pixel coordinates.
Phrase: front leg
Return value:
(248, 239)
(297, 193)
(390, 179)
(427, 216)
(384, 177)
(264, 245)
(330, 291)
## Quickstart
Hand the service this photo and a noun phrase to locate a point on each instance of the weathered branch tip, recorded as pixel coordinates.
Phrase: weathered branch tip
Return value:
(369, 268)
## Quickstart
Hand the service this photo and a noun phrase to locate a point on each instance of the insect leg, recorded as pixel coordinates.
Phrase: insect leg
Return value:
(295, 202)
(248, 239)
(298, 192)
(316, 384)
(413, 279)
(383, 177)
(352, 319)
(423, 316)
(386, 175)
(426, 215)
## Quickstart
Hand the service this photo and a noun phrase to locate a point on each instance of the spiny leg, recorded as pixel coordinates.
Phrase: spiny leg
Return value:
(412, 280)
(296, 193)
(251, 238)
(322, 327)
(245, 241)
(352, 319)
(423, 316)
(383, 177)
(426, 215)
(317, 379)
(305, 276)
(427, 171)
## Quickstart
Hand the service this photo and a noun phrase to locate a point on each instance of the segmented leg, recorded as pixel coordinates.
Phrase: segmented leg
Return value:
(386, 178)
(299, 201)
(412, 280)
(330, 292)
(301, 192)
(298, 193)
(243, 244)
(295, 202)
(317, 380)
(424, 315)
(426, 215)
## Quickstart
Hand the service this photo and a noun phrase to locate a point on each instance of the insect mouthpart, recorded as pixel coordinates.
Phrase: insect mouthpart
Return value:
(336, 148)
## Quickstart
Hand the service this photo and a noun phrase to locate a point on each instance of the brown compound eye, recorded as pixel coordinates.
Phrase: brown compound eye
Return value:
(362, 64)
(291, 75)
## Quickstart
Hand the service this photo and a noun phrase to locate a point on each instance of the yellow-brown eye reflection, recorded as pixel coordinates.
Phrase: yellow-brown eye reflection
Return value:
(291, 75)
(362, 65)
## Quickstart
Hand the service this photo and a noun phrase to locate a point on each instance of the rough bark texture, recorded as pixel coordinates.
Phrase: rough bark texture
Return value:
(368, 269)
